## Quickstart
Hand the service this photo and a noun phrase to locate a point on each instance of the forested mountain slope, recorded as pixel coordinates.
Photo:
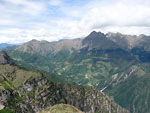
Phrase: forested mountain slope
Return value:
(23, 91)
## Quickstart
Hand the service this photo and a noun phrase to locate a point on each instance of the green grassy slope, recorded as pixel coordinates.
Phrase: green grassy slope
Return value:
(134, 92)
(85, 67)
(62, 108)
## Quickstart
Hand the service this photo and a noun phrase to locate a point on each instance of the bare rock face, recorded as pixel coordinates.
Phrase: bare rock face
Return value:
(99, 40)
(49, 94)
(5, 59)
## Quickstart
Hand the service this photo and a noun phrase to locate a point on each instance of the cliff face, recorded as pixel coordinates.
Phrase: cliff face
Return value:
(43, 94)
(5, 59)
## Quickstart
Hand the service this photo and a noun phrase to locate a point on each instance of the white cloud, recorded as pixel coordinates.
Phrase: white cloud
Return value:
(55, 2)
(71, 21)
(118, 15)
(6, 22)
(25, 6)
(122, 16)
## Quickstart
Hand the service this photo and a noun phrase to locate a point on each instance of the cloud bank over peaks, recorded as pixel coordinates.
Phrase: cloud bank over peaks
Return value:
(51, 20)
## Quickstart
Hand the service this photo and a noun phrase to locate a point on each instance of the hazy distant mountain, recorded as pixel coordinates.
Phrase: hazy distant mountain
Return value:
(114, 63)
(4, 45)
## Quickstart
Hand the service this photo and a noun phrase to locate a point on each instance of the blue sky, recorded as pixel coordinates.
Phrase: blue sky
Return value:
(24, 20)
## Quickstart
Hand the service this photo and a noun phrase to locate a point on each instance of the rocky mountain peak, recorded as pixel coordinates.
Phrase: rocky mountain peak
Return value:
(111, 34)
(123, 40)
(95, 34)
(35, 46)
(93, 37)
(141, 36)
(34, 40)
(98, 40)
(5, 59)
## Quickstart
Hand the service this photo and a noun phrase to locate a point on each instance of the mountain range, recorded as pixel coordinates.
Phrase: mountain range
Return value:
(113, 63)
(23, 91)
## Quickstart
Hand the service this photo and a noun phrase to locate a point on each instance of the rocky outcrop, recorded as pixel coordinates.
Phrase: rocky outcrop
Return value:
(98, 40)
(45, 94)
(5, 59)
